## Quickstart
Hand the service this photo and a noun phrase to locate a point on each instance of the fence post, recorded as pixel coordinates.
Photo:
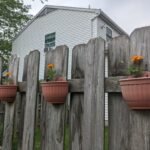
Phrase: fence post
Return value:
(77, 99)
(31, 98)
(118, 112)
(10, 108)
(2, 106)
(23, 104)
(87, 116)
(53, 116)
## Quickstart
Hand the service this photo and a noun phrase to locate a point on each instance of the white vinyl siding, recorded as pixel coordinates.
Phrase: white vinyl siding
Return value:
(71, 27)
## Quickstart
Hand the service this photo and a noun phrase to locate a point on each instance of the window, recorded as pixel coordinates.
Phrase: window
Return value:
(108, 34)
(50, 40)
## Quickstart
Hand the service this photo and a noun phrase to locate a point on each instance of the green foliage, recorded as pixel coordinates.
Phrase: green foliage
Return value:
(51, 74)
(13, 15)
(5, 51)
(135, 70)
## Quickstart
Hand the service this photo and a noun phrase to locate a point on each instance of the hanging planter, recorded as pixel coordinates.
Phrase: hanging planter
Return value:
(136, 88)
(8, 92)
(55, 91)
(136, 92)
(55, 88)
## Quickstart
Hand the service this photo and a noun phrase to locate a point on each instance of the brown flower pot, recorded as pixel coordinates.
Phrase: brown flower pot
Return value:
(136, 92)
(8, 92)
(55, 91)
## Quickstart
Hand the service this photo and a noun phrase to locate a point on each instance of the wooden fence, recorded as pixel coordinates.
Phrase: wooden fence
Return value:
(128, 129)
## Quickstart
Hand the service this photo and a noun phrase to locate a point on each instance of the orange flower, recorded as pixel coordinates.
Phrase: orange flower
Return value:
(50, 66)
(7, 74)
(140, 58)
(136, 58)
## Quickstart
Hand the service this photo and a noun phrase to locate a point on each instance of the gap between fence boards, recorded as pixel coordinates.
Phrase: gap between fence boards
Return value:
(77, 85)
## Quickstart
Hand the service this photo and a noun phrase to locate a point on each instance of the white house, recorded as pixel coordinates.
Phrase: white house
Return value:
(58, 25)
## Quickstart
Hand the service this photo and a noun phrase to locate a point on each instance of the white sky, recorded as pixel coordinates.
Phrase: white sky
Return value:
(128, 14)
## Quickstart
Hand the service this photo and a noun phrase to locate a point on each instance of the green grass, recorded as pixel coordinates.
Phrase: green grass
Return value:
(1, 133)
(37, 139)
(66, 142)
(106, 138)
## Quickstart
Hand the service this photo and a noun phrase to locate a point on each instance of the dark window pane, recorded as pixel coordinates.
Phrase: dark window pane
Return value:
(50, 40)
(108, 32)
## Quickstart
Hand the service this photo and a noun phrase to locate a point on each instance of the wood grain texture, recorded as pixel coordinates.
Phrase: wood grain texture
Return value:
(1, 103)
(118, 112)
(112, 84)
(2, 106)
(77, 99)
(140, 120)
(17, 114)
(118, 56)
(87, 113)
(118, 122)
(53, 116)
(22, 86)
(31, 98)
(10, 107)
(93, 118)
(76, 85)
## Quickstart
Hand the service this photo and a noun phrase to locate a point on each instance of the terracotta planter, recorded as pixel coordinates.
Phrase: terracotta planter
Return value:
(136, 92)
(55, 91)
(8, 92)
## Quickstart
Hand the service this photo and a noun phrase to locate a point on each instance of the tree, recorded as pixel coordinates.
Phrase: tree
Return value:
(13, 15)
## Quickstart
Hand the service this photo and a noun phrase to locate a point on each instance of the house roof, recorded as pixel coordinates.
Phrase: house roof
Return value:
(49, 8)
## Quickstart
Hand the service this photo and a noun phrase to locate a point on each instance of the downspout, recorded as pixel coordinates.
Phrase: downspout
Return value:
(92, 22)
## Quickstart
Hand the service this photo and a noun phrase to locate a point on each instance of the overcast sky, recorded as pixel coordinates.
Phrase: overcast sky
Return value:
(128, 14)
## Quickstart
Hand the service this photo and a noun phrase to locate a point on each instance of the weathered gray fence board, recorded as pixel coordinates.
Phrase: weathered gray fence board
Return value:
(87, 115)
(53, 116)
(23, 102)
(1, 103)
(112, 84)
(118, 56)
(1, 64)
(118, 123)
(31, 97)
(2, 106)
(76, 85)
(77, 99)
(118, 110)
(93, 118)
(17, 114)
(140, 120)
(10, 107)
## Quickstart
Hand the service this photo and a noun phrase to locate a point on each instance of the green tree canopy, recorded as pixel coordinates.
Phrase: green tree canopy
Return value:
(13, 15)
